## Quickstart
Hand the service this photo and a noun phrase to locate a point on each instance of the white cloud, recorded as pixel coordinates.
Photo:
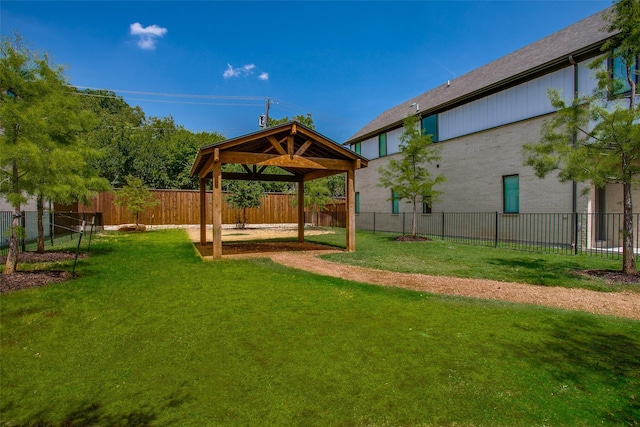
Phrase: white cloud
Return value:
(147, 36)
(244, 71)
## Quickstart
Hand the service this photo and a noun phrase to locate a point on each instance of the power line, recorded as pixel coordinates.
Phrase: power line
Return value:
(296, 109)
(180, 95)
(171, 102)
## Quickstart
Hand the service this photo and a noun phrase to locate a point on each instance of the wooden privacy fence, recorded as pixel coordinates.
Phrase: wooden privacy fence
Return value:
(183, 207)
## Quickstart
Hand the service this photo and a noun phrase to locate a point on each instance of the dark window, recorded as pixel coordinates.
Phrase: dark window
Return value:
(395, 202)
(382, 145)
(618, 72)
(357, 147)
(511, 193)
(430, 127)
(357, 202)
(426, 206)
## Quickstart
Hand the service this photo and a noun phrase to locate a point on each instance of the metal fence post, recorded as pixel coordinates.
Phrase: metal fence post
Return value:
(75, 260)
(374, 223)
(442, 230)
(93, 223)
(51, 227)
(495, 239)
(576, 231)
(23, 234)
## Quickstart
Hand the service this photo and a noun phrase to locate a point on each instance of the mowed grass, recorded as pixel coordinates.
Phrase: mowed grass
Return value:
(151, 335)
(441, 258)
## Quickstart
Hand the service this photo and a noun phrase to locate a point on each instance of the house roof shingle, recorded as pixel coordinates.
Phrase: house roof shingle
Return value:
(580, 40)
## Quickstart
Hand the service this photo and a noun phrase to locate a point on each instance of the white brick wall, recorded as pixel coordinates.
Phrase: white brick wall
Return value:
(474, 166)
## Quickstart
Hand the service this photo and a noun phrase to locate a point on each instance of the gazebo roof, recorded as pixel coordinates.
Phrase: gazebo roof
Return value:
(300, 151)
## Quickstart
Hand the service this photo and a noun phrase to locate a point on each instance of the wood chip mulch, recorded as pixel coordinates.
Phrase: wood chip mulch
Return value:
(410, 238)
(613, 276)
(622, 304)
(36, 278)
(31, 279)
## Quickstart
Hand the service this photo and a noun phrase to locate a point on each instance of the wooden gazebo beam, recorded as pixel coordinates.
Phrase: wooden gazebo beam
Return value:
(275, 146)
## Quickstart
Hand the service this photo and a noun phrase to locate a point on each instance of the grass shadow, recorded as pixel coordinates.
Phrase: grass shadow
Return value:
(87, 414)
(582, 353)
(545, 273)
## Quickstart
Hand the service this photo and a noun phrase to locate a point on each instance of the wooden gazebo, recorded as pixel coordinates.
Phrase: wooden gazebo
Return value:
(302, 153)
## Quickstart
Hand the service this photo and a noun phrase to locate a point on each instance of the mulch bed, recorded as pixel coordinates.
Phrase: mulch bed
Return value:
(614, 276)
(31, 279)
(237, 248)
(36, 278)
(410, 238)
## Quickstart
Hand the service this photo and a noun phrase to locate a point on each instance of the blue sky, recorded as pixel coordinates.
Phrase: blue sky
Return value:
(212, 64)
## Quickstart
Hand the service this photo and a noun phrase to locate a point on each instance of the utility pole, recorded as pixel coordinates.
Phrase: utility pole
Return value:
(266, 120)
(263, 121)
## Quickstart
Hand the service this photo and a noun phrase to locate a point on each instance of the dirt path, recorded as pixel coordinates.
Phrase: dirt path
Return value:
(620, 304)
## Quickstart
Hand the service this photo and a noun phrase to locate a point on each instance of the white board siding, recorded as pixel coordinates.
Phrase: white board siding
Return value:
(587, 81)
(520, 102)
(369, 148)
(393, 141)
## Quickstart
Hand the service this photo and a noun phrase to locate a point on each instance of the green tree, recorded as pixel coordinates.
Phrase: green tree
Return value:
(317, 195)
(135, 197)
(112, 133)
(408, 176)
(304, 120)
(155, 149)
(41, 151)
(184, 146)
(336, 185)
(596, 138)
(242, 195)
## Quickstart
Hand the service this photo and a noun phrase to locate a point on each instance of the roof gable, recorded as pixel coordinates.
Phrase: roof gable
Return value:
(291, 146)
(583, 38)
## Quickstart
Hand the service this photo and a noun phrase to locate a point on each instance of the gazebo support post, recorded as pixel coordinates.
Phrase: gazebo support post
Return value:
(301, 152)
(351, 211)
(203, 210)
(217, 210)
(301, 209)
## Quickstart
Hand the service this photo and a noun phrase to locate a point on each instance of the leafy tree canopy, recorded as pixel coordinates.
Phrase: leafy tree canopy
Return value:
(304, 120)
(156, 149)
(408, 176)
(135, 197)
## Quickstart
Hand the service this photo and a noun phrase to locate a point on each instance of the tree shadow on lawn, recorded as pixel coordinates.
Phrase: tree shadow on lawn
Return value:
(540, 271)
(87, 414)
(587, 355)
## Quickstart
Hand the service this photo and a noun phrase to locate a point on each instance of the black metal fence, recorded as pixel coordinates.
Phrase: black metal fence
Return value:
(56, 226)
(568, 233)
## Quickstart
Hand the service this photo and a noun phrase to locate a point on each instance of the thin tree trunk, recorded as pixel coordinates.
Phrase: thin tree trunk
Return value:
(628, 256)
(40, 209)
(414, 230)
(12, 256)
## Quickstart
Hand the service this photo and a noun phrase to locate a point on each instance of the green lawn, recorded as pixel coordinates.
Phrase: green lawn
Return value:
(151, 335)
(442, 258)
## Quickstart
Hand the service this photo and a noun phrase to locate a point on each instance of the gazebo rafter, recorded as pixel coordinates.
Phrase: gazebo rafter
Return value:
(301, 152)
